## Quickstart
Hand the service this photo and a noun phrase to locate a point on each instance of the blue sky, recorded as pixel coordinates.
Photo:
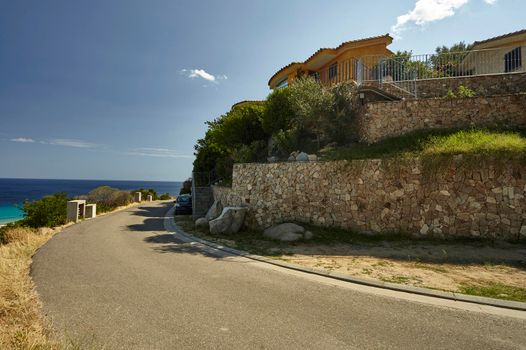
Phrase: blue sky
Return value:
(121, 89)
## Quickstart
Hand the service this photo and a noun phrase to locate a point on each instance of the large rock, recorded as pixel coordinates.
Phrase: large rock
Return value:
(302, 157)
(287, 232)
(230, 220)
(201, 222)
(214, 211)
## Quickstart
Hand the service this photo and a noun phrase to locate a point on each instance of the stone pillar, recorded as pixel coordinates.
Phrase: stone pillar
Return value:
(137, 197)
(76, 210)
(149, 198)
(91, 211)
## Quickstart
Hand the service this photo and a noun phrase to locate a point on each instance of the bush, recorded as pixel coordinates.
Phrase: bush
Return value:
(165, 196)
(49, 211)
(145, 193)
(108, 198)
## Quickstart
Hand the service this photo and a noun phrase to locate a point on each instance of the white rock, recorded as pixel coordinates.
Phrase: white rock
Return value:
(214, 211)
(312, 157)
(286, 232)
(230, 220)
(425, 229)
(302, 157)
(201, 222)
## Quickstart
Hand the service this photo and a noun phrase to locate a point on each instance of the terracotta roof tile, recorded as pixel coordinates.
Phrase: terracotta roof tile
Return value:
(523, 31)
(328, 48)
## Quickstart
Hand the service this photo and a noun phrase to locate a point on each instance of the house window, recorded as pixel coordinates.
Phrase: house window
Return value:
(513, 60)
(315, 75)
(282, 83)
(333, 70)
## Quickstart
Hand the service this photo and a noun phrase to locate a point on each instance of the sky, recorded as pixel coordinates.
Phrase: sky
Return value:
(121, 89)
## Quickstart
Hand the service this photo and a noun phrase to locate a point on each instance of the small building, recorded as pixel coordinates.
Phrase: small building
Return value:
(335, 65)
(76, 210)
(500, 54)
(91, 211)
(137, 197)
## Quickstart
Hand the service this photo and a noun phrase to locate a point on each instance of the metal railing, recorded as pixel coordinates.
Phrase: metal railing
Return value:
(397, 69)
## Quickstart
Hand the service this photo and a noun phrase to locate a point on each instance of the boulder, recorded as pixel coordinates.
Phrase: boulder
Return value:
(272, 159)
(291, 159)
(214, 211)
(230, 220)
(286, 232)
(302, 157)
(313, 157)
(201, 222)
(307, 235)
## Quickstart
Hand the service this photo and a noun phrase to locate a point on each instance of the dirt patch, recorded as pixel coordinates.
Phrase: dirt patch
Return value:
(462, 266)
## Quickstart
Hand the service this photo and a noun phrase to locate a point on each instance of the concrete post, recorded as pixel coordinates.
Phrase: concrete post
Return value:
(149, 198)
(137, 197)
(76, 210)
(91, 211)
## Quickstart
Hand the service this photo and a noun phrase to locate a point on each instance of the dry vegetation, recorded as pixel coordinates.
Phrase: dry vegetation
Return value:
(21, 323)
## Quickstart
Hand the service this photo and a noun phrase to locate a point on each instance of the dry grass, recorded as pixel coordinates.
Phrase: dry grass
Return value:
(21, 323)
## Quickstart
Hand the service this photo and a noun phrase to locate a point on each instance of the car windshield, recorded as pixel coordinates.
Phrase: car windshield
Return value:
(183, 199)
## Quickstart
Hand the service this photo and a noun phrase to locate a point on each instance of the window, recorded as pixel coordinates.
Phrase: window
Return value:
(282, 83)
(513, 60)
(333, 70)
(315, 75)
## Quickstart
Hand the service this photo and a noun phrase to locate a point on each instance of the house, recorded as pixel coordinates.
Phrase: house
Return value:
(501, 54)
(333, 65)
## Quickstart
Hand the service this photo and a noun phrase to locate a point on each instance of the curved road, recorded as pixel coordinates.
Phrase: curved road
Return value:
(121, 281)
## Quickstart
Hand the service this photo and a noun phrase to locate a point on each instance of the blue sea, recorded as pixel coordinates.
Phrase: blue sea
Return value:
(13, 192)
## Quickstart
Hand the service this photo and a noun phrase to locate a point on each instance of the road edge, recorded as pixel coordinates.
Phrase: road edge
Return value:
(171, 226)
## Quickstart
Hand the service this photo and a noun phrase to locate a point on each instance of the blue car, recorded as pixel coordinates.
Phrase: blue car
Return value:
(183, 204)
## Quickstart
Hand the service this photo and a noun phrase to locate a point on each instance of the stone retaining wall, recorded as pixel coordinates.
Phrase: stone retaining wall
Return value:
(378, 120)
(374, 196)
(483, 85)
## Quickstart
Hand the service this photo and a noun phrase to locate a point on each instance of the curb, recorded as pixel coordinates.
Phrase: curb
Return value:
(171, 226)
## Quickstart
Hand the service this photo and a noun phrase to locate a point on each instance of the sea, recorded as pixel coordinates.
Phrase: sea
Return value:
(13, 192)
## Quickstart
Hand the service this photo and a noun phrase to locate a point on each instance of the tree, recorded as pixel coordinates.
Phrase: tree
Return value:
(447, 61)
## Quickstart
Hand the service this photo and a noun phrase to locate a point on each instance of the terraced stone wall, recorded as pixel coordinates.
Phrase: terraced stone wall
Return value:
(452, 198)
(379, 120)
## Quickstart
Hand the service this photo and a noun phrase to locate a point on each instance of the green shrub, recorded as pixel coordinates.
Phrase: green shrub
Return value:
(49, 211)
(462, 92)
(465, 92)
(145, 193)
(450, 94)
(165, 196)
(278, 112)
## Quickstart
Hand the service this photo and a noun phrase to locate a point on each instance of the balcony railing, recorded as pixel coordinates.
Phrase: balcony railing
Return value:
(399, 68)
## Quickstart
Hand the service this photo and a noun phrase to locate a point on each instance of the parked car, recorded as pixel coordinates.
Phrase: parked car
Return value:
(183, 204)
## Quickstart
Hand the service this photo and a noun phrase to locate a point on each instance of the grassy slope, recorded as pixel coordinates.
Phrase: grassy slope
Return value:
(21, 322)
(437, 143)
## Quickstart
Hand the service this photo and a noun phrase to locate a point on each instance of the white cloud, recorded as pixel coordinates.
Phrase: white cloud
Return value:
(23, 140)
(157, 152)
(71, 143)
(201, 73)
(490, 2)
(426, 11)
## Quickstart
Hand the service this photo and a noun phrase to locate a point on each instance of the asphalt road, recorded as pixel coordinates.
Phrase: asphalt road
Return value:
(122, 282)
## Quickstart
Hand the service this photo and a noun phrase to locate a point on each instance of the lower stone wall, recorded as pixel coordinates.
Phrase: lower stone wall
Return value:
(378, 120)
(379, 196)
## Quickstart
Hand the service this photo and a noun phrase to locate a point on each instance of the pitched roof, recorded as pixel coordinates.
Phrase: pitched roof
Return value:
(522, 31)
(323, 49)
(246, 101)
